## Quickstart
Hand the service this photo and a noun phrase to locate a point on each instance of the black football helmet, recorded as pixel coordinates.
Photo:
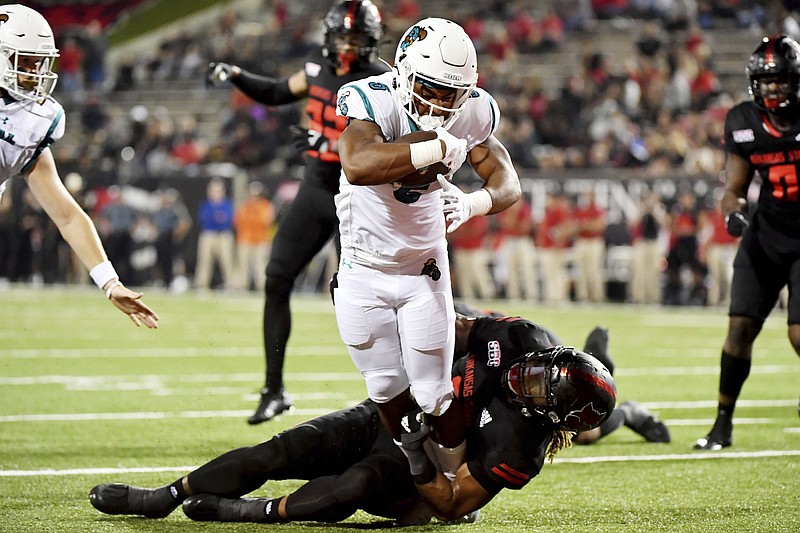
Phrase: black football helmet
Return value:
(562, 386)
(353, 31)
(779, 57)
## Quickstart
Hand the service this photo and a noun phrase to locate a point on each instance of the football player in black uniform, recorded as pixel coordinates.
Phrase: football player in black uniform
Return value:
(762, 137)
(523, 399)
(630, 414)
(353, 31)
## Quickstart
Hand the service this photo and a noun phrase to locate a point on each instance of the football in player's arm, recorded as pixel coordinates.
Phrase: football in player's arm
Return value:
(399, 327)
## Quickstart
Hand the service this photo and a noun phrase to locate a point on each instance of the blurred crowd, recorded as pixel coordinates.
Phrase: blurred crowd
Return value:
(657, 109)
(670, 254)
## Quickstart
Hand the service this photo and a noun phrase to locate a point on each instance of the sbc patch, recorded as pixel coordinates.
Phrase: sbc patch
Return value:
(313, 69)
(743, 136)
(493, 351)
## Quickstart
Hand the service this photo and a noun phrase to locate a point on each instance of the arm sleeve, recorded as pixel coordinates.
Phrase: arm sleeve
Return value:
(263, 89)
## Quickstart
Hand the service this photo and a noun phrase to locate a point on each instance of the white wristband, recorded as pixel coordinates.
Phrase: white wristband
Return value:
(426, 153)
(482, 201)
(110, 288)
(103, 273)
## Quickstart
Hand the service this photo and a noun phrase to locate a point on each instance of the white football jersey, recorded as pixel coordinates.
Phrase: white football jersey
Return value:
(388, 225)
(26, 129)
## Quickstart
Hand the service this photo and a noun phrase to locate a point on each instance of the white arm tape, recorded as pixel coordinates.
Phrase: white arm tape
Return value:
(482, 201)
(103, 273)
(426, 153)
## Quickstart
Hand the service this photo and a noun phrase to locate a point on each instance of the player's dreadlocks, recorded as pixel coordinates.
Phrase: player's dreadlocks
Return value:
(562, 438)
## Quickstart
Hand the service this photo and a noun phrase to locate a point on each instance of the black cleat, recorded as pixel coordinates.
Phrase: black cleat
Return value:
(116, 498)
(212, 508)
(597, 346)
(721, 436)
(270, 406)
(644, 423)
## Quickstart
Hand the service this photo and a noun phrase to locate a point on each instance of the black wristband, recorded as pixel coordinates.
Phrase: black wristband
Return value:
(427, 476)
(422, 469)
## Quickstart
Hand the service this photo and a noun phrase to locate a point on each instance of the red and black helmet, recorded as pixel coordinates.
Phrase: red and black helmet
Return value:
(562, 386)
(357, 21)
(776, 57)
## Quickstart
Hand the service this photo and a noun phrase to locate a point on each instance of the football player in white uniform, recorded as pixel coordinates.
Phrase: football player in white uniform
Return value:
(394, 303)
(30, 121)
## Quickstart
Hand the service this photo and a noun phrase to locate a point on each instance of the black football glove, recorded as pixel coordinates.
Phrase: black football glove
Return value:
(333, 284)
(415, 428)
(736, 223)
(304, 139)
(218, 73)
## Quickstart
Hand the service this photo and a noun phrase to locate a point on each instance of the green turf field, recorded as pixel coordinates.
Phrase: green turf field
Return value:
(88, 398)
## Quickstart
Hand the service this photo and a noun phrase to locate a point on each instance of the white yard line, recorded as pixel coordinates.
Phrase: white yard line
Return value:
(82, 381)
(575, 460)
(152, 415)
(139, 353)
(680, 456)
(78, 381)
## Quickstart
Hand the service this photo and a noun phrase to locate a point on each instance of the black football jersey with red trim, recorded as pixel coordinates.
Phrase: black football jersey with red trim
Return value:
(323, 165)
(775, 157)
(505, 448)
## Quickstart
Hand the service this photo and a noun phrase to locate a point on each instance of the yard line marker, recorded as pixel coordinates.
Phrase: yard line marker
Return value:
(308, 412)
(341, 376)
(703, 404)
(574, 460)
(162, 378)
(95, 471)
(679, 456)
(702, 370)
(137, 353)
(151, 415)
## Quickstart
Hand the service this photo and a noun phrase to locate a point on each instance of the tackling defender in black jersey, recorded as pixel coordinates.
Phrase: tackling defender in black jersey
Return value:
(523, 399)
(762, 137)
(353, 30)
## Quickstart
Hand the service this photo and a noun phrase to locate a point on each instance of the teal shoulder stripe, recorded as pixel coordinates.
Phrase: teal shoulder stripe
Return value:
(46, 141)
(492, 106)
(367, 104)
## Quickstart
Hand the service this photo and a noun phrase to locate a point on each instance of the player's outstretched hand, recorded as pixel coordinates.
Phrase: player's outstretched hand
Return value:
(218, 73)
(130, 303)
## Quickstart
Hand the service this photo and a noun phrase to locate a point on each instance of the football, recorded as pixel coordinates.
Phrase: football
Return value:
(424, 175)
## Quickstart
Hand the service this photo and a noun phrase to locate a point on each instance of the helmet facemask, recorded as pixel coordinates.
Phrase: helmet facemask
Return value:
(412, 86)
(776, 102)
(529, 380)
(349, 49)
(775, 63)
(562, 386)
(27, 53)
(435, 60)
(353, 31)
(26, 74)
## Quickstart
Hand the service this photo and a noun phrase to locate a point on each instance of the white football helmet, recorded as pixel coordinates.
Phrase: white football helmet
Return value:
(439, 54)
(27, 53)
